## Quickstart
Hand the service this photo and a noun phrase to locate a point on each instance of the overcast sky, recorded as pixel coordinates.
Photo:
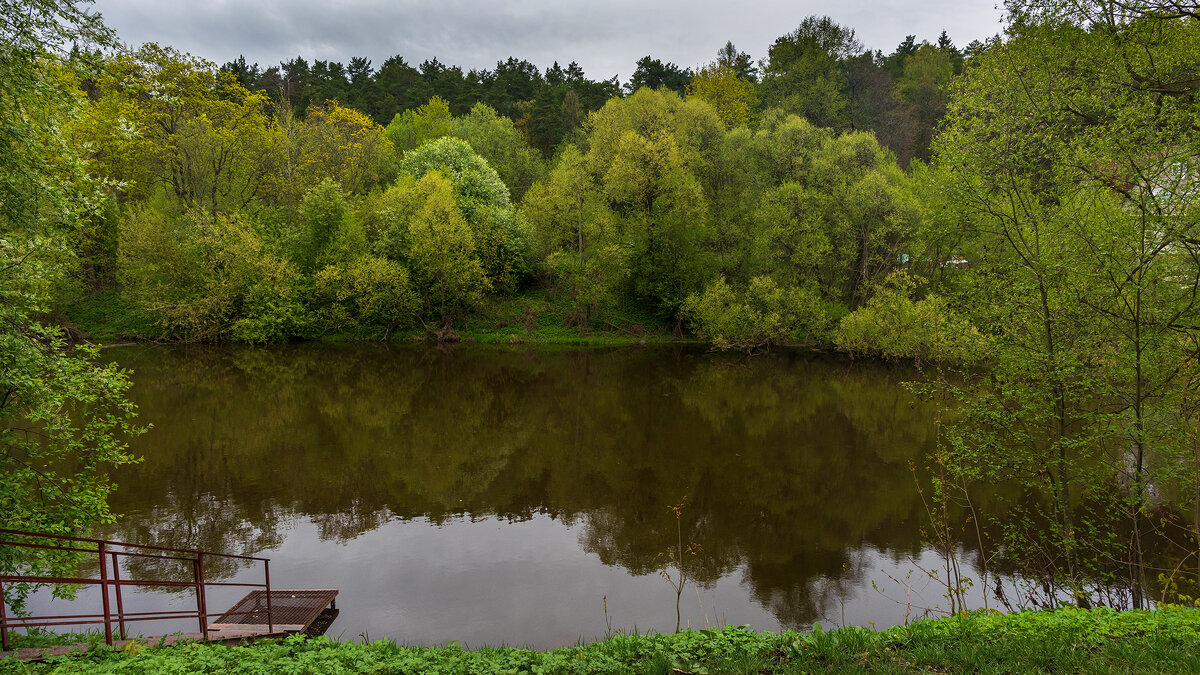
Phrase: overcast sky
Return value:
(606, 38)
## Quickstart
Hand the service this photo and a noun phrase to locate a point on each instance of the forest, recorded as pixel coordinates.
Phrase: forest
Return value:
(347, 201)
(1017, 218)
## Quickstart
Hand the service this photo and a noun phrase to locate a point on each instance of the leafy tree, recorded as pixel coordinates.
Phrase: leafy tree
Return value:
(803, 75)
(651, 155)
(413, 128)
(448, 274)
(168, 121)
(63, 417)
(346, 146)
(654, 74)
(208, 277)
(329, 233)
(760, 315)
(496, 140)
(895, 326)
(922, 88)
(1070, 146)
(500, 237)
(368, 294)
(730, 94)
(577, 236)
(841, 210)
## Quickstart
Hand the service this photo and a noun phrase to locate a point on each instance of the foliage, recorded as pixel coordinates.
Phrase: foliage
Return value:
(803, 76)
(1068, 153)
(576, 233)
(757, 317)
(501, 240)
(730, 94)
(208, 276)
(63, 416)
(171, 122)
(366, 294)
(442, 252)
(476, 183)
(895, 326)
(501, 145)
(343, 145)
(1064, 640)
(413, 128)
(328, 232)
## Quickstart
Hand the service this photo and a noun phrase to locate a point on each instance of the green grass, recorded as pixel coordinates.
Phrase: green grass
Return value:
(534, 317)
(107, 318)
(1066, 640)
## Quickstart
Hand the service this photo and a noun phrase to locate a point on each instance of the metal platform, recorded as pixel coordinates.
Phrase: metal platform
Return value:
(291, 611)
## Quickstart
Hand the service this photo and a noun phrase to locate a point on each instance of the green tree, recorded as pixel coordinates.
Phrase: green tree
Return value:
(653, 73)
(329, 233)
(651, 154)
(448, 273)
(730, 94)
(804, 75)
(63, 417)
(577, 236)
(922, 88)
(760, 315)
(496, 140)
(411, 129)
(501, 238)
(369, 295)
(1073, 151)
(208, 277)
(172, 122)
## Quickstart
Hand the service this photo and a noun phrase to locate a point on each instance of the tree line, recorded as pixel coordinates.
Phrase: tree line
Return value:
(820, 71)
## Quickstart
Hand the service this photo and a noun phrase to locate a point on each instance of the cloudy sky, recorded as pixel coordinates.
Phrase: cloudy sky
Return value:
(605, 37)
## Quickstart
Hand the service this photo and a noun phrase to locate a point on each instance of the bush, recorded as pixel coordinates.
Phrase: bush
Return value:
(893, 325)
(761, 315)
(208, 276)
(368, 295)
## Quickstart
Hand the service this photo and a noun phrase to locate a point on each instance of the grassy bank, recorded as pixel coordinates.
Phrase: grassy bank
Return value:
(532, 318)
(1067, 640)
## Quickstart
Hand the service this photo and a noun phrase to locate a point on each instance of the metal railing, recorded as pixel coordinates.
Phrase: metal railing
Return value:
(108, 555)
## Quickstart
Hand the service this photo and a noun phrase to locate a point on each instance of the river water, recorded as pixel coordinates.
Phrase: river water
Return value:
(524, 496)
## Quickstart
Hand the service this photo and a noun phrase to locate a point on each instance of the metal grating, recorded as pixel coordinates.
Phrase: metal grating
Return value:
(296, 607)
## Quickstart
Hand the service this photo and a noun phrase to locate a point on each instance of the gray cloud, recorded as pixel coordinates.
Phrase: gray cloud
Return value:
(605, 38)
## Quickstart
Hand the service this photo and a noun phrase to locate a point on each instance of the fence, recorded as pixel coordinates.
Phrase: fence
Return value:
(110, 554)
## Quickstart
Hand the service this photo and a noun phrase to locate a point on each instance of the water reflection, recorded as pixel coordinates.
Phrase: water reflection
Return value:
(795, 468)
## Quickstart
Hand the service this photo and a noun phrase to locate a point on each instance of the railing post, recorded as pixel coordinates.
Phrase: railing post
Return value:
(3, 622)
(117, 586)
(201, 602)
(104, 595)
(267, 574)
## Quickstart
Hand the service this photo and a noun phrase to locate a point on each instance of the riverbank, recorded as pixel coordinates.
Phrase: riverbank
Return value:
(104, 317)
(1065, 640)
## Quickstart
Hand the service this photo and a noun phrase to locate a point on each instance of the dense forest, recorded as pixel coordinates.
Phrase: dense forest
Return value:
(344, 200)
(1019, 217)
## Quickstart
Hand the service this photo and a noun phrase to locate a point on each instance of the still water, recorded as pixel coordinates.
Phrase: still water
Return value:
(523, 496)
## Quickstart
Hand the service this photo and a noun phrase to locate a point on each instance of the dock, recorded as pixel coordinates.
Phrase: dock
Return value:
(262, 613)
(308, 611)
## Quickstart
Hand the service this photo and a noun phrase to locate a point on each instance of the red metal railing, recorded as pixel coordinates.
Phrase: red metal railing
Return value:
(104, 549)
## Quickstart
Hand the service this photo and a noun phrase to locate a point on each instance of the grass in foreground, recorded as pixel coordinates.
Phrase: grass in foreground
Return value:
(1066, 640)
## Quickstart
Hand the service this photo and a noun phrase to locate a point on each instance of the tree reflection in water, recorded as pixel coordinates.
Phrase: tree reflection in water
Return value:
(792, 464)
